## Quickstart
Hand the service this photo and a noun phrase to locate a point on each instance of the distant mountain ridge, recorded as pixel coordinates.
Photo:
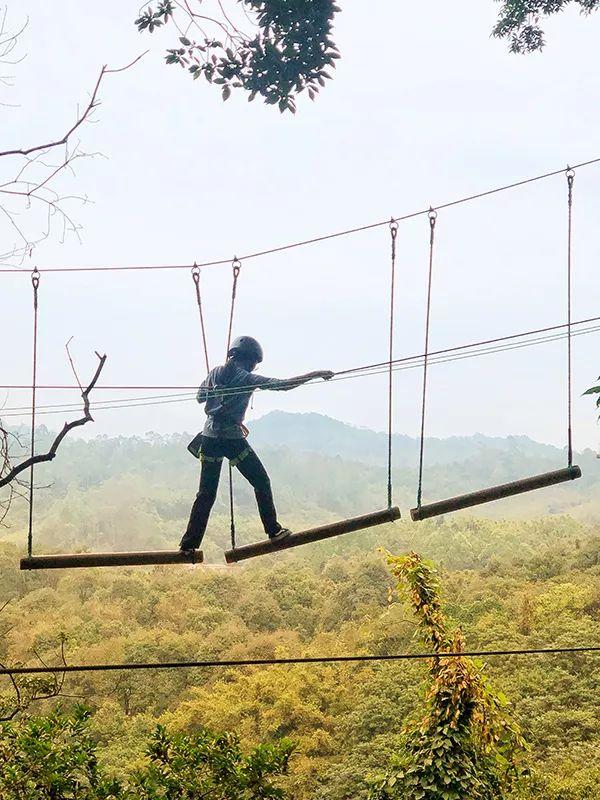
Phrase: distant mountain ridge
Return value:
(317, 433)
(320, 468)
(135, 492)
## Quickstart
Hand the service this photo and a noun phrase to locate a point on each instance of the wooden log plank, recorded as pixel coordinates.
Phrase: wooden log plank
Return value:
(495, 493)
(313, 535)
(64, 561)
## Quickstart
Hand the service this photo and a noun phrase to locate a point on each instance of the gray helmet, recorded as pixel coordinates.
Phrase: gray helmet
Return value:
(248, 347)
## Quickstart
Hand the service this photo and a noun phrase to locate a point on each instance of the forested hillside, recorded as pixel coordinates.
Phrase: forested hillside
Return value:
(135, 493)
(510, 583)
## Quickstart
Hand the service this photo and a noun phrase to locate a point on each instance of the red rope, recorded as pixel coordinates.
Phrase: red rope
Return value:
(316, 239)
(432, 221)
(35, 282)
(570, 180)
(236, 268)
(196, 279)
(393, 234)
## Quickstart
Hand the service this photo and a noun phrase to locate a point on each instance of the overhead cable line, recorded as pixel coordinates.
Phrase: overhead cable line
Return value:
(411, 362)
(268, 662)
(365, 367)
(316, 239)
(399, 366)
(481, 343)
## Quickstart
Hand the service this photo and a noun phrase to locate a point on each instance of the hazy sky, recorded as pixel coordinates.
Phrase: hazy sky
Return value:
(425, 107)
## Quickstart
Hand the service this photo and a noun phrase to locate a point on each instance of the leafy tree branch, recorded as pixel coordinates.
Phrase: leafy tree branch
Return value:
(56, 757)
(520, 21)
(287, 51)
(595, 390)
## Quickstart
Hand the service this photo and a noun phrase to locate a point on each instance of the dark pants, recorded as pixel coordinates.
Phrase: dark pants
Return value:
(242, 456)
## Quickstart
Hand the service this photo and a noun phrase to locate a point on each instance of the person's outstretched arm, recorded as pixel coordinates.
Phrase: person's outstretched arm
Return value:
(285, 384)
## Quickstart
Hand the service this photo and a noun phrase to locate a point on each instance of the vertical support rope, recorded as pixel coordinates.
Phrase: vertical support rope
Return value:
(35, 282)
(570, 175)
(236, 266)
(432, 221)
(393, 234)
(196, 279)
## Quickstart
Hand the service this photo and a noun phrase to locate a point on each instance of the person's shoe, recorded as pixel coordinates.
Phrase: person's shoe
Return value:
(282, 533)
(187, 551)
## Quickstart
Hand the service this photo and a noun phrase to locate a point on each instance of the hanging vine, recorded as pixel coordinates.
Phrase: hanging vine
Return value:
(464, 745)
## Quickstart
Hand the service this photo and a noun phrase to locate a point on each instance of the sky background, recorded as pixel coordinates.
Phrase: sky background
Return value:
(424, 107)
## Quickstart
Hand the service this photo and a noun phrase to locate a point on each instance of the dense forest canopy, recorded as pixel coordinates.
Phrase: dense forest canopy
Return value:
(508, 583)
(346, 720)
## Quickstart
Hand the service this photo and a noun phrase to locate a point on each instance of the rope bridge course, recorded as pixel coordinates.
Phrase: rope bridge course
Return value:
(391, 513)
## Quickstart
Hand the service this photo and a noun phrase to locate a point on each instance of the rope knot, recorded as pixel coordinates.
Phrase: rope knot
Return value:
(35, 278)
(237, 266)
(196, 274)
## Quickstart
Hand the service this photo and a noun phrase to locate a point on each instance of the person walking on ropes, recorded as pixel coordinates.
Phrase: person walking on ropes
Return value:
(226, 393)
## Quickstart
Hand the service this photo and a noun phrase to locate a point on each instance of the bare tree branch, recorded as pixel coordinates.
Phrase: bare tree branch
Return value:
(34, 184)
(27, 691)
(73, 365)
(80, 119)
(10, 476)
(127, 66)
